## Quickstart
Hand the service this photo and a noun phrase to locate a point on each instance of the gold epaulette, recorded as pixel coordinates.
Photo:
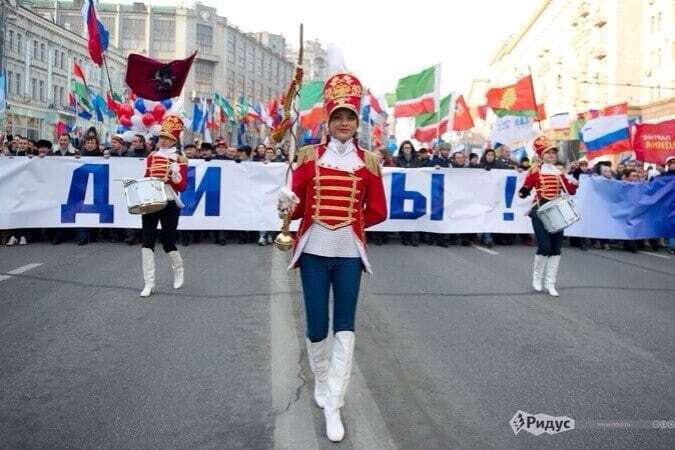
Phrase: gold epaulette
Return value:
(372, 162)
(305, 154)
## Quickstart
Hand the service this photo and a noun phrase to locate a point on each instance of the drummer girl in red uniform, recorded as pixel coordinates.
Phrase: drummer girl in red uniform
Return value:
(168, 164)
(548, 182)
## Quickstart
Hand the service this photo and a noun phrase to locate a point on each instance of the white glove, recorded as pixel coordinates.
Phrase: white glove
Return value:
(174, 168)
(287, 199)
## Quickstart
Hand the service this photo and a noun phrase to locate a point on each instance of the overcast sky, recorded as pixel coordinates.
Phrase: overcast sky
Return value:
(383, 41)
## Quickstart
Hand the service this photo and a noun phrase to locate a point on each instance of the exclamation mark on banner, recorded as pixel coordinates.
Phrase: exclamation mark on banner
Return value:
(509, 192)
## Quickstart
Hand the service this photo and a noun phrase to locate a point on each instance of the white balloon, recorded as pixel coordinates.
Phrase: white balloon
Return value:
(137, 122)
(176, 106)
(149, 105)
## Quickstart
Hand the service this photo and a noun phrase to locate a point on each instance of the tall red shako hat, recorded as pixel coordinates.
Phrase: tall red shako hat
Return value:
(543, 144)
(342, 90)
(171, 127)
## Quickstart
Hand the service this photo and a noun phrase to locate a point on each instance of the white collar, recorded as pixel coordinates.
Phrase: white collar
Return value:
(549, 169)
(340, 149)
(166, 151)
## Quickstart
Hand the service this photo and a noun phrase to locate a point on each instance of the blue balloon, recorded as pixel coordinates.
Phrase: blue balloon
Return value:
(167, 103)
(139, 105)
(122, 128)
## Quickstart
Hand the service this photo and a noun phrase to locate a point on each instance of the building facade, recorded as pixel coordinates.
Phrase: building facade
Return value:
(587, 54)
(37, 58)
(229, 61)
(314, 60)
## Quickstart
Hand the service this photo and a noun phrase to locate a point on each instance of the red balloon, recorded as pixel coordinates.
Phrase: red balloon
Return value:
(158, 111)
(126, 110)
(148, 119)
(125, 121)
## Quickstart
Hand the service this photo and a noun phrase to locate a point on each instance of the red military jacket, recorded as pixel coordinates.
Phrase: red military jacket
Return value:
(547, 183)
(157, 165)
(336, 198)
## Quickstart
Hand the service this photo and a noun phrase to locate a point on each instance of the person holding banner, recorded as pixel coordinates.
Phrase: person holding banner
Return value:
(337, 191)
(170, 165)
(548, 182)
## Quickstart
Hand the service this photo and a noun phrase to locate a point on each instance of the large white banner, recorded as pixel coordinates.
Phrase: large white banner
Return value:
(223, 195)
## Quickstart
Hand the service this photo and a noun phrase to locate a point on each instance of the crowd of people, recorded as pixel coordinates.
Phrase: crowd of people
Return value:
(443, 155)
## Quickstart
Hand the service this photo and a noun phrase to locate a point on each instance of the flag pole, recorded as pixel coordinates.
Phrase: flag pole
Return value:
(105, 65)
(536, 110)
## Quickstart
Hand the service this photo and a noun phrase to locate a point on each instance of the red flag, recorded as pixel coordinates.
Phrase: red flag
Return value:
(482, 112)
(77, 71)
(541, 112)
(517, 97)
(155, 80)
(621, 108)
(654, 142)
(461, 116)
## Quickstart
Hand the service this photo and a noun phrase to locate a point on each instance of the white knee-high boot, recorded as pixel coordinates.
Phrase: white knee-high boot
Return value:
(148, 271)
(339, 373)
(178, 270)
(538, 272)
(552, 275)
(319, 360)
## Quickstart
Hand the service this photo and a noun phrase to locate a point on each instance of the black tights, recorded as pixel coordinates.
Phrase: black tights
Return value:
(548, 244)
(168, 217)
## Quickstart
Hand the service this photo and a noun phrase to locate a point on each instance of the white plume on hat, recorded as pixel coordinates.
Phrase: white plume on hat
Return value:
(336, 60)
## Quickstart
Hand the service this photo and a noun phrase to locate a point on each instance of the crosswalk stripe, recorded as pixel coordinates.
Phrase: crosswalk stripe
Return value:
(19, 271)
(483, 249)
(654, 254)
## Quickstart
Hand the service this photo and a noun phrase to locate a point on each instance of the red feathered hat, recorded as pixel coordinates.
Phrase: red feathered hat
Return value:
(171, 127)
(342, 90)
(542, 144)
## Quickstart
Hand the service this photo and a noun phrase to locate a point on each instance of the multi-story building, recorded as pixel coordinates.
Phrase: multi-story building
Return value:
(314, 60)
(37, 57)
(586, 54)
(229, 61)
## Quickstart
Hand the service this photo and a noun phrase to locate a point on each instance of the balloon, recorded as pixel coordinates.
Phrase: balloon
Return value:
(122, 129)
(158, 111)
(137, 122)
(126, 110)
(139, 105)
(125, 121)
(166, 103)
(149, 104)
(148, 119)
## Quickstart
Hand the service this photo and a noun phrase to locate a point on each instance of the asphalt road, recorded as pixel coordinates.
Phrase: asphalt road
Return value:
(451, 343)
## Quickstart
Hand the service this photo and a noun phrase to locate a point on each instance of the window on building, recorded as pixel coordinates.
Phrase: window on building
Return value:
(259, 63)
(19, 43)
(10, 39)
(241, 85)
(250, 58)
(33, 88)
(42, 52)
(42, 91)
(63, 60)
(62, 96)
(55, 95)
(10, 78)
(204, 72)
(56, 58)
(35, 49)
(164, 35)
(19, 85)
(132, 34)
(205, 36)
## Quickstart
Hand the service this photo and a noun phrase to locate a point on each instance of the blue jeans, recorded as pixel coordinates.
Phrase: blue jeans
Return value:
(319, 274)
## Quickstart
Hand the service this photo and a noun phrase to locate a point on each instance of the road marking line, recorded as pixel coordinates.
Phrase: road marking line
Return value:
(294, 423)
(483, 249)
(19, 271)
(654, 254)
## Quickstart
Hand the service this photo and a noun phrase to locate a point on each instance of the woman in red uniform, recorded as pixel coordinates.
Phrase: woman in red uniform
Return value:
(337, 193)
(548, 182)
(168, 164)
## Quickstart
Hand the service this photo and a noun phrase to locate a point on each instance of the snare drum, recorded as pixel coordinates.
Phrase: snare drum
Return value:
(558, 214)
(145, 195)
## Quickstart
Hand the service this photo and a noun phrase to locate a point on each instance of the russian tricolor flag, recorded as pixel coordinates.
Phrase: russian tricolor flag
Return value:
(606, 134)
(98, 35)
